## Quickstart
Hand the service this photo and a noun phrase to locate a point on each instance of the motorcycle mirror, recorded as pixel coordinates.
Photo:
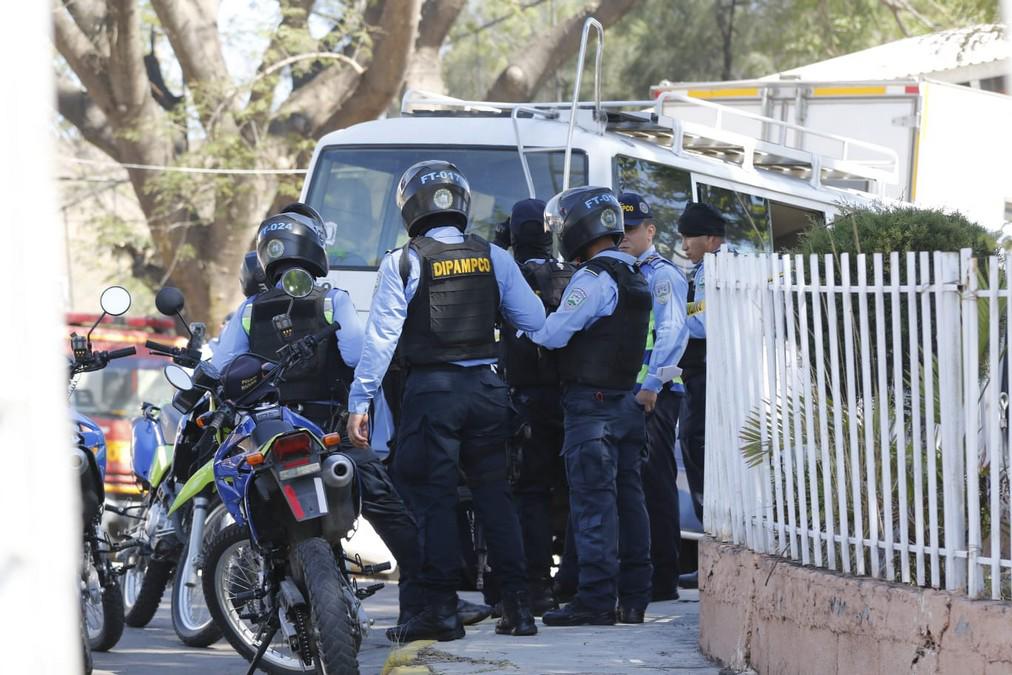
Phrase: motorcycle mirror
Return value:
(297, 282)
(178, 378)
(115, 300)
(169, 301)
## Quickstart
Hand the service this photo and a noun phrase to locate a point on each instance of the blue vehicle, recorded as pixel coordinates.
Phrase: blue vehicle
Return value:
(101, 600)
(277, 581)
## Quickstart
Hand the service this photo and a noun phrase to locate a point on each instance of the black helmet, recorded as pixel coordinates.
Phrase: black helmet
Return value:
(251, 275)
(434, 188)
(581, 215)
(293, 237)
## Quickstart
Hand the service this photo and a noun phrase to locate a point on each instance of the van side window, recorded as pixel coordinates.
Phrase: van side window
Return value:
(668, 189)
(749, 228)
(757, 224)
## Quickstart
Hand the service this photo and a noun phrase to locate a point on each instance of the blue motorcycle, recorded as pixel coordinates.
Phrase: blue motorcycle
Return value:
(101, 600)
(277, 581)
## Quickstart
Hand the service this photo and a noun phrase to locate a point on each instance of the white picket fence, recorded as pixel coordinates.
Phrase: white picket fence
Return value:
(865, 393)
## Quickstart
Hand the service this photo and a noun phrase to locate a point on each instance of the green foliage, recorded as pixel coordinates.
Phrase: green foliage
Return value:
(869, 230)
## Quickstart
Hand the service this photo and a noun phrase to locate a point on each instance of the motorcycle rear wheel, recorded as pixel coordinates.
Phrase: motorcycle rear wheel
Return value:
(104, 619)
(232, 566)
(333, 628)
(143, 587)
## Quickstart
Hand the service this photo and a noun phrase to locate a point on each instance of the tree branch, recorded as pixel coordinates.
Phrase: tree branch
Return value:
(391, 53)
(425, 69)
(90, 17)
(128, 74)
(76, 107)
(192, 29)
(530, 68)
(84, 59)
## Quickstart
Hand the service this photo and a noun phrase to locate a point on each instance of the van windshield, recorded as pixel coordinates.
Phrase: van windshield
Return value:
(354, 189)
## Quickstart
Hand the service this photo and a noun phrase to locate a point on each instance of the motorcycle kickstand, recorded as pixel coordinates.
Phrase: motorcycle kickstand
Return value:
(270, 628)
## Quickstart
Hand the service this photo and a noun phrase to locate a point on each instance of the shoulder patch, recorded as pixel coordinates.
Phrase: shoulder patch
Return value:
(662, 291)
(574, 299)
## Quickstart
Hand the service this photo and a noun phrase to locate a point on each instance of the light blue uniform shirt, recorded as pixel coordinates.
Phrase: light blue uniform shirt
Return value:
(668, 292)
(696, 322)
(588, 297)
(518, 303)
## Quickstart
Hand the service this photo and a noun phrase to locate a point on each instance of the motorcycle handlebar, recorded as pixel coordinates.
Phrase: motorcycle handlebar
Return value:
(120, 353)
(157, 346)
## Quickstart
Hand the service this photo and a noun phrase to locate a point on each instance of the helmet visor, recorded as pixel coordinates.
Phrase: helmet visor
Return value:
(554, 218)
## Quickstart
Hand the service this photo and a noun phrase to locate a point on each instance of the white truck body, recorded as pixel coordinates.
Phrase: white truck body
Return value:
(952, 142)
(770, 191)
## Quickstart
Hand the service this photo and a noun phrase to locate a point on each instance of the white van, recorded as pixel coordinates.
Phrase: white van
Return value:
(769, 192)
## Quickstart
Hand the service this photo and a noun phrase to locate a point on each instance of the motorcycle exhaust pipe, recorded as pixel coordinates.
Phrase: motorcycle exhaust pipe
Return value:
(79, 461)
(337, 470)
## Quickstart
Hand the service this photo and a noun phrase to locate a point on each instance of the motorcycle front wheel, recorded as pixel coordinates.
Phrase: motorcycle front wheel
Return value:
(191, 619)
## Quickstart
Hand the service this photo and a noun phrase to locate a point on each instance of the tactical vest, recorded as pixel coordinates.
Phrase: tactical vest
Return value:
(525, 364)
(610, 352)
(325, 377)
(453, 313)
(655, 261)
(694, 357)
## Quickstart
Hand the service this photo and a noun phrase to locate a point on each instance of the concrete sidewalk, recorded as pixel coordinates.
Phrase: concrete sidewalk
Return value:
(666, 643)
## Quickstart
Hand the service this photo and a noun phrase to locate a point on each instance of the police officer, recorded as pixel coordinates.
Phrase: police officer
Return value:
(702, 228)
(657, 391)
(440, 297)
(600, 329)
(319, 390)
(533, 375)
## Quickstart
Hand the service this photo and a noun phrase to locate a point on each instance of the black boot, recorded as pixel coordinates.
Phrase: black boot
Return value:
(435, 622)
(472, 612)
(575, 614)
(542, 599)
(516, 616)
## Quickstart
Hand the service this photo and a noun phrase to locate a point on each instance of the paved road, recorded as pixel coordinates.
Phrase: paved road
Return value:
(665, 643)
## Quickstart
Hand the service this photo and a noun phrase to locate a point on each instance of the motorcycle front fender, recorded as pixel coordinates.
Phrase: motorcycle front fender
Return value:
(161, 463)
(201, 478)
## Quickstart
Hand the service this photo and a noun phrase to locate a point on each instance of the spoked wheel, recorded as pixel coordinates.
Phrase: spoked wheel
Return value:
(103, 611)
(191, 618)
(333, 629)
(144, 584)
(232, 568)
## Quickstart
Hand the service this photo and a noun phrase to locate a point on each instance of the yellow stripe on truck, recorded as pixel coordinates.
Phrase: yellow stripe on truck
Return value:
(731, 92)
(849, 91)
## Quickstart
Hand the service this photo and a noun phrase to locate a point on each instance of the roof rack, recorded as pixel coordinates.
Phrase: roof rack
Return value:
(646, 120)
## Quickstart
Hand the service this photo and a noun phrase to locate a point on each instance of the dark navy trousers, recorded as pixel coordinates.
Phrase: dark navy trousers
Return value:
(604, 448)
(659, 475)
(457, 419)
(692, 435)
(541, 475)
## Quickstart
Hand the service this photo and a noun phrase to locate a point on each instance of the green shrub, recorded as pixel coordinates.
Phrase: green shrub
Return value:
(871, 230)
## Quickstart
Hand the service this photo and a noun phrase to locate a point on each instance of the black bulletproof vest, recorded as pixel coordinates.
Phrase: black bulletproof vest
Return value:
(694, 357)
(325, 377)
(609, 354)
(525, 364)
(453, 314)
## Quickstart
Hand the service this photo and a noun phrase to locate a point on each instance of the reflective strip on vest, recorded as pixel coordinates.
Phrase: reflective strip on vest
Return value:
(328, 313)
(676, 383)
(247, 316)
